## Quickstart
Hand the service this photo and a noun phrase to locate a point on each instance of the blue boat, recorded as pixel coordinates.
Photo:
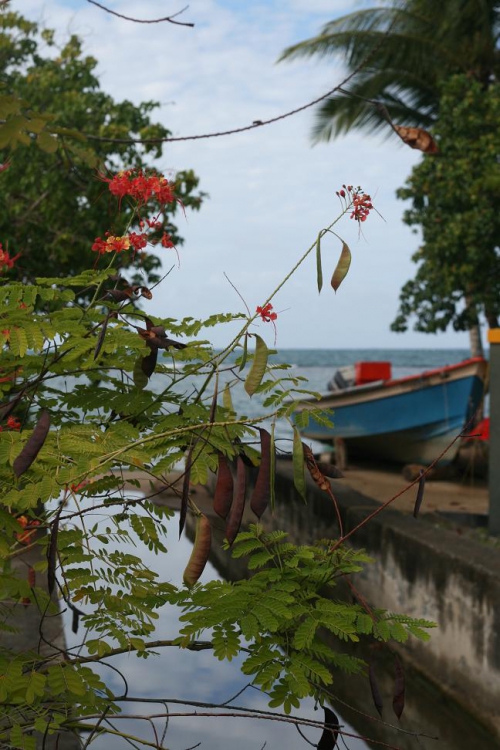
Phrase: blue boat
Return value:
(408, 420)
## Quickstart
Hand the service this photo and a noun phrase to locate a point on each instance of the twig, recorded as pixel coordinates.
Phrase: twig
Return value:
(256, 123)
(169, 19)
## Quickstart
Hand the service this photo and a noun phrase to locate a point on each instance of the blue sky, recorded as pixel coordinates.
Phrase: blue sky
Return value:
(270, 191)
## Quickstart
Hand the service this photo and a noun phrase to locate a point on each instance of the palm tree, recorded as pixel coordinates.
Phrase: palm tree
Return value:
(405, 50)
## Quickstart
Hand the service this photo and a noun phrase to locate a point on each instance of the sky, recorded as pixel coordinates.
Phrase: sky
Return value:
(270, 191)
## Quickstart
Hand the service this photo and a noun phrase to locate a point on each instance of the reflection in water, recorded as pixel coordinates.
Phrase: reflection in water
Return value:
(195, 676)
(198, 676)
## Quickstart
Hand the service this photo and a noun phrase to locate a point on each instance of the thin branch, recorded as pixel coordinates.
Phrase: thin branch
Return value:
(194, 646)
(255, 123)
(168, 19)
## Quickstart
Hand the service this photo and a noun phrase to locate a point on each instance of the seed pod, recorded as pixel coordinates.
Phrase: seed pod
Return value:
(185, 491)
(258, 368)
(101, 337)
(236, 513)
(148, 363)
(223, 496)
(33, 445)
(299, 479)
(328, 740)
(200, 552)
(52, 552)
(342, 267)
(375, 690)
(398, 700)
(262, 490)
(31, 577)
(420, 493)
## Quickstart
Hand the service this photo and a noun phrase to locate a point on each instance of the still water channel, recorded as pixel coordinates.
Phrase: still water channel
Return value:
(430, 720)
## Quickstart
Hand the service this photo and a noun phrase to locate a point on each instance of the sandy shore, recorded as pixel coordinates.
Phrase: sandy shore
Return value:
(468, 496)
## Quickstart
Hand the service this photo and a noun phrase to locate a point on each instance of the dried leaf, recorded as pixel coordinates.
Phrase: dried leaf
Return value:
(262, 491)
(420, 493)
(33, 445)
(398, 701)
(342, 267)
(200, 552)
(319, 270)
(118, 295)
(329, 470)
(417, 138)
(299, 478)
(185, 491)
(258, 368)
(142, 291)
(223, 495)
(155, 337)
(328, 740)
(236, 513)
(375, 690)
(313, 469)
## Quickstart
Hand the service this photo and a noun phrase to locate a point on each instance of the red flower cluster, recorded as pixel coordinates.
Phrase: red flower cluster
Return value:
(5, 259)
(12, 424)
(266, 313)
(360, 202)
(141, 186)
(29, 529)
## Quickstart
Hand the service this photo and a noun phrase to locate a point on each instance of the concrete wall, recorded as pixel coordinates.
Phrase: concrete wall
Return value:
(422, 571)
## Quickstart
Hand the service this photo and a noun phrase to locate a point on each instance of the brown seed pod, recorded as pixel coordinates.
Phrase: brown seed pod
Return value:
(200, 552)
(33, 445)
(262, 490)
(236, 513)
(223, 496)
(31, 577)
(398, 700)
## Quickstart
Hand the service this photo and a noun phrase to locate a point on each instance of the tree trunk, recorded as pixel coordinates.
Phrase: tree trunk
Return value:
(476, 344)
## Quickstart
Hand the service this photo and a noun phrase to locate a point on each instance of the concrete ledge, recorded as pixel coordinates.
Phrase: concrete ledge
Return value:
(421, 571)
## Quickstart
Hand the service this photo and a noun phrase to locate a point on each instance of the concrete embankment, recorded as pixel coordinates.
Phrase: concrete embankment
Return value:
(419, 569)
(422, 571)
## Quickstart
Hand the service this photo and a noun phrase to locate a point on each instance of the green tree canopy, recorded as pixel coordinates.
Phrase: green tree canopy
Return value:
(455, 196)
(406, 50)
(52, 205)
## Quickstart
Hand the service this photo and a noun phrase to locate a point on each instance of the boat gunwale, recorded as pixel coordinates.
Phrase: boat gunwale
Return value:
(381, 389)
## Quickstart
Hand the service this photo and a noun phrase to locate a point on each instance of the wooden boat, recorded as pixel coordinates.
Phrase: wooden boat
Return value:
(408, 420)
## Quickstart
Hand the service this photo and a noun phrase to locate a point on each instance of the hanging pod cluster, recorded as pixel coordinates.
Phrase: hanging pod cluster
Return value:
(229, 496)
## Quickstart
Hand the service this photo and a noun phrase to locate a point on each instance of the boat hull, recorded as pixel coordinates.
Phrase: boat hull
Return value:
(410, 420)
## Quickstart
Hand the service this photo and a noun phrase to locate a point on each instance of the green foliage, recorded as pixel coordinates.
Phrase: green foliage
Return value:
(51, 205)
(92, 390)
(402, 53)
(279, 612)
(454, 200)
